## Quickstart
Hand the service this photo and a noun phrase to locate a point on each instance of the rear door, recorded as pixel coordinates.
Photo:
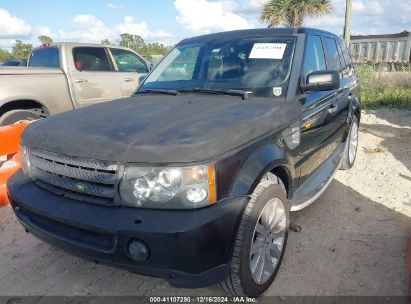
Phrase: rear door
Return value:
(131, 69)
(93, 78)
(319, 124)
(349, 81)
(339, 108)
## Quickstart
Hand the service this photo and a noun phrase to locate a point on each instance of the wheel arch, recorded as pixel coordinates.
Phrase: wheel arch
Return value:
(284, 175)
(270, 158)
(356, 109)
(24, 104)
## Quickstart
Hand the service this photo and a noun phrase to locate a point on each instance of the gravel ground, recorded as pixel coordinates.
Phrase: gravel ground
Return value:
(353, 238)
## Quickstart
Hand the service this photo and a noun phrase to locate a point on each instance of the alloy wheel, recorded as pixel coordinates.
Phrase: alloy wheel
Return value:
(268, 239)
(353, 141)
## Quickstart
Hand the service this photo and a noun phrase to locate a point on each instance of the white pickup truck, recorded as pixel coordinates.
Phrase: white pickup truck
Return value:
(65, 76)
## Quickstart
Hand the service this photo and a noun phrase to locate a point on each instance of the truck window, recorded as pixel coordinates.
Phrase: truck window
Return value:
(314, 56)
(45, 58)
(333, 58)
(128, 62)
(91, 59)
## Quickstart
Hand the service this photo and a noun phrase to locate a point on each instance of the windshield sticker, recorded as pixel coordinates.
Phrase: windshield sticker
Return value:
(268, 51)
(277, 91)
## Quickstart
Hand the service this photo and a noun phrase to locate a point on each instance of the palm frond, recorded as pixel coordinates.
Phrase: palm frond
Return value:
(293, 12)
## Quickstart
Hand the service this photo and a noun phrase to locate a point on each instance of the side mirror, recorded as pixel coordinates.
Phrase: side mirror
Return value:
(322, 81)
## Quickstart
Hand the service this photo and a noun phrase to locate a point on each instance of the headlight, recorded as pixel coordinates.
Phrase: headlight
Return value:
(25, 160)
(168, 187)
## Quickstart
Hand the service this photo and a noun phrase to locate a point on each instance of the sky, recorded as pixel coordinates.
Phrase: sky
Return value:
(169, 21)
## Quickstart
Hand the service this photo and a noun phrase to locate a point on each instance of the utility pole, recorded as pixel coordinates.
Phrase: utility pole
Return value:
(347, 26)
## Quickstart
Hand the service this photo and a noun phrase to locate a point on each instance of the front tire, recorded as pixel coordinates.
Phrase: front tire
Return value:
(18, 116)
(260, 242)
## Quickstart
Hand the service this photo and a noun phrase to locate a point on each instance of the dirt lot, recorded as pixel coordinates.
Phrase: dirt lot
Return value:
(353, 239)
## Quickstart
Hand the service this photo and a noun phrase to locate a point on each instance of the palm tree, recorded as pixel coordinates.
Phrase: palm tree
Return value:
(292, 13)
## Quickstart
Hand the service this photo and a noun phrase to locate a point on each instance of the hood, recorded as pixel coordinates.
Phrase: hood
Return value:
(158, 128)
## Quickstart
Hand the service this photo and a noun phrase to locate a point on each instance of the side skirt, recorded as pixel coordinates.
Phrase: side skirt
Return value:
(320, 179)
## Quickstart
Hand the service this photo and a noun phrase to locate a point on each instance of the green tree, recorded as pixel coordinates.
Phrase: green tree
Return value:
(106, 42)
(45, 39)
(292, 13)
(133, 42)
(21, 50)
(5, 55)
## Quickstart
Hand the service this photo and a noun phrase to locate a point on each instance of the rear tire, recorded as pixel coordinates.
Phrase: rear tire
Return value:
(17, 116)
(254, 246)
(350, 151)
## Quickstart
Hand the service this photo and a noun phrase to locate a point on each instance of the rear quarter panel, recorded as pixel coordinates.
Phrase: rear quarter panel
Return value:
(48, 87)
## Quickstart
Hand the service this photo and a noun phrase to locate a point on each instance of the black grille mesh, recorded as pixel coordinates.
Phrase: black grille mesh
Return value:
(69, 175)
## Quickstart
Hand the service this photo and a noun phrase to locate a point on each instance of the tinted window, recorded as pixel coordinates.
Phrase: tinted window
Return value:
(128, 62)
(333, 58)
(45, 57)
(346, 54)
(345, 60)
(91, 59)
(314, 56)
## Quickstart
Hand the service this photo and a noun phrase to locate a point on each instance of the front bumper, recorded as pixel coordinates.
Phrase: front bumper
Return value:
(188, 248)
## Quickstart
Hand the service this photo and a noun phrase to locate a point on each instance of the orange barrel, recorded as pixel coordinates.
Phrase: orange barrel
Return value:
(9, 145)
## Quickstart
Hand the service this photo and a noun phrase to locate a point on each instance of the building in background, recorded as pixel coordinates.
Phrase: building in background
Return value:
(391, 49)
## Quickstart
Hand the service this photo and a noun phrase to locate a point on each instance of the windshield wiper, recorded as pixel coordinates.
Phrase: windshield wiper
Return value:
(241, 93)
(158, 91)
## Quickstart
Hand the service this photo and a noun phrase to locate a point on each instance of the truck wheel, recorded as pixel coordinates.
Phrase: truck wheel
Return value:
(17, 116)
(351, 146)
(260, 242)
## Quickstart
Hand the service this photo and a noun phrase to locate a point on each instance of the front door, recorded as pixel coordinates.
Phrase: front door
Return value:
(94, 79)
(131, 69)
(319, 120)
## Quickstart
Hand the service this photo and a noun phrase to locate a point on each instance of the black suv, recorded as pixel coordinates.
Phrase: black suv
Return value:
(193, 178)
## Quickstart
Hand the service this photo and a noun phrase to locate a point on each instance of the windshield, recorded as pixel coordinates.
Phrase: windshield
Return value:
(259, 66)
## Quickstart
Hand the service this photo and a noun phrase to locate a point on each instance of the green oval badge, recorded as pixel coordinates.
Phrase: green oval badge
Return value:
(81, 187)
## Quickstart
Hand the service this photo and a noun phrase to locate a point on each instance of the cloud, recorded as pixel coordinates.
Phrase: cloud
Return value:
(43, 30)
(358, 6)
(114, 6)
(86, 28)
(325, 21)
(6, 43)
(375, 8)
(13, 27)
(368, 17)
(89, 28)
(203, 16)
(248, 7)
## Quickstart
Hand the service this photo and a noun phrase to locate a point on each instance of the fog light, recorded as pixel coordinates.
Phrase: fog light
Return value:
(138, 251)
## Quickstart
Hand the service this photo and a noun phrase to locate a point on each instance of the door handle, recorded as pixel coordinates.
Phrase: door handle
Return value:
(128, 79)
(80, 80)
(333, 109)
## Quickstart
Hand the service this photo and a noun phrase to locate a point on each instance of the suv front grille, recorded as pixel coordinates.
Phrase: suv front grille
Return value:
(84, 179)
